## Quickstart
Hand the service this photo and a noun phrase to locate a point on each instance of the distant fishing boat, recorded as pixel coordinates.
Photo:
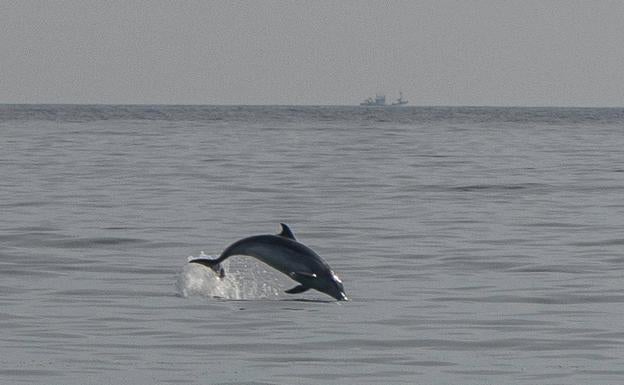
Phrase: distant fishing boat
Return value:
(380, 101)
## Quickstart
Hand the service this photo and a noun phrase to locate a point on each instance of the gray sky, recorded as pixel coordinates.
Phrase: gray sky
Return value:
(535, 53)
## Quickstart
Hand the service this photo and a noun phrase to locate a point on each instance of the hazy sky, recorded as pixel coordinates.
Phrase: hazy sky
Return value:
(553, 53)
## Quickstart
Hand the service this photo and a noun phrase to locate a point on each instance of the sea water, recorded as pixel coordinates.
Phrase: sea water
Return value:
(477, 245)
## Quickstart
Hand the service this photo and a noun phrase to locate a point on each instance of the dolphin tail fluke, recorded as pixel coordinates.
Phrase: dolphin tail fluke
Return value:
(213, 264)
(297, 289)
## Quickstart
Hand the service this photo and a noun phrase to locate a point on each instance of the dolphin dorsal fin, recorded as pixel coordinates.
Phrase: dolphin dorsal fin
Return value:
(286, 232)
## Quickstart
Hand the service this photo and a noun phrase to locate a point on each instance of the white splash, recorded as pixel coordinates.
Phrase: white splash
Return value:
(244, 279)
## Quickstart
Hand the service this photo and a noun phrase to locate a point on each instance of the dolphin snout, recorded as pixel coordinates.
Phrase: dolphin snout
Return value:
(337, 290)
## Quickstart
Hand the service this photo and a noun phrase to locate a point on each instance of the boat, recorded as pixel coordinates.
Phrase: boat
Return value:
(380, 100)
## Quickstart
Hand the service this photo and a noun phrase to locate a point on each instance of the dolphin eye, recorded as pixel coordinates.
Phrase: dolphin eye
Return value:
(336, 278)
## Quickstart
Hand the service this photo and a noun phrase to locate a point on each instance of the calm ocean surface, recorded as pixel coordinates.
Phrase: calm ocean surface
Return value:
(477, 245)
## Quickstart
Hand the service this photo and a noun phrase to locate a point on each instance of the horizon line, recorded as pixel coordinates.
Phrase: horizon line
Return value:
(307, 105)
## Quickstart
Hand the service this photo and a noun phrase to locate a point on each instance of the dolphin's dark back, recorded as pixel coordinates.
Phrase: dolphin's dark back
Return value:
(275, 251)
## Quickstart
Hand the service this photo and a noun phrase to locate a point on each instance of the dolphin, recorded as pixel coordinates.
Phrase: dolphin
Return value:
(284, 253)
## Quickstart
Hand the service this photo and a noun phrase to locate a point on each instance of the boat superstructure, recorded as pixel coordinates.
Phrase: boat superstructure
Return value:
(380, 101)
(400, 101)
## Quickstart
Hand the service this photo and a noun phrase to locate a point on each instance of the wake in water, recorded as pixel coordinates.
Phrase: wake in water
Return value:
(244, 279)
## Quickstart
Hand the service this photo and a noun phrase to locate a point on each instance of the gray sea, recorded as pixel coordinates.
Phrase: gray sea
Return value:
(477, 245)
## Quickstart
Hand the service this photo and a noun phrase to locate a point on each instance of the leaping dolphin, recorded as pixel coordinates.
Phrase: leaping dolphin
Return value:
(284, 253)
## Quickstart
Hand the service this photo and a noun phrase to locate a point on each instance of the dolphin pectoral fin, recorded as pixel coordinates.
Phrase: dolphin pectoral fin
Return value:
(303, 274)
(286, 232)
(297, 289)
